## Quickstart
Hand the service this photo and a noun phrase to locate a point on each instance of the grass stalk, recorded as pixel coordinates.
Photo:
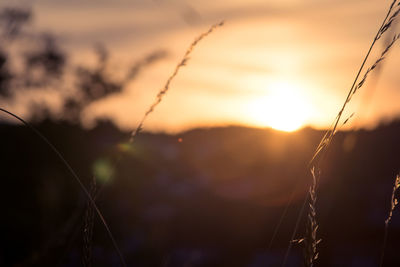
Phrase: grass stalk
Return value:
(88, 225)
(165, 89)
(310, 240)
(387, 22)
(78, 180)
(394, 202)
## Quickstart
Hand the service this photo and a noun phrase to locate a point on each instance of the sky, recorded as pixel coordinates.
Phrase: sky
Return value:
(284, 64)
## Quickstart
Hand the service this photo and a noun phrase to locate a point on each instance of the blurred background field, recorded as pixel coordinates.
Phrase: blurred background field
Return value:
(207, 197)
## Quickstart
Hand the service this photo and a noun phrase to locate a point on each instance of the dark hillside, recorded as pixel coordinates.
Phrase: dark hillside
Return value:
(207, 197)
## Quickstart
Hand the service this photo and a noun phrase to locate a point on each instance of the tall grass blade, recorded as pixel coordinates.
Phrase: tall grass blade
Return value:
(78, 180)
(326, 140)
(394, 202)
(165, 89)
(311, 228)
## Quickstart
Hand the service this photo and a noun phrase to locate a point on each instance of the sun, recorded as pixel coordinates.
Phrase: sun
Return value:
(283, 108)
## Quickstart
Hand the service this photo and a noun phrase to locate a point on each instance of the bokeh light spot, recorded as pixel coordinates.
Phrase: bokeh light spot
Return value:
(103, 170)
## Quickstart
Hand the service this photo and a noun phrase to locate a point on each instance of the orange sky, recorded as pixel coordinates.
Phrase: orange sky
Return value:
(278, 63)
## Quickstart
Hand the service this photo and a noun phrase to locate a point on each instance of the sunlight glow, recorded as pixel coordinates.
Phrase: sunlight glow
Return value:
(283, 108)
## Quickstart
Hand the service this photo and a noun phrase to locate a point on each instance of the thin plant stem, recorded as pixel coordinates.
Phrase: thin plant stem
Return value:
(165, 89)
(328, 136)
(393, 204)
(78, 180)
(329, 133)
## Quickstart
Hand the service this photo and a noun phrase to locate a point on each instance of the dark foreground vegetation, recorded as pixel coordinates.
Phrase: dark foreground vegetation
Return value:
(207, 197)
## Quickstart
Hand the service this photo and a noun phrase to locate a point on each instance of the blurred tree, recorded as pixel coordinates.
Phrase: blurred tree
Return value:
(44, 65)
(12, 20)
(5, 74)
(98, 82)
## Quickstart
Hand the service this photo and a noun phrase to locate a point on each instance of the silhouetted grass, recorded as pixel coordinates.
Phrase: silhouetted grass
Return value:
(79, 181)
(393, 203)
(386, 24)
(310, 239)
(165, 89)
(91, 205)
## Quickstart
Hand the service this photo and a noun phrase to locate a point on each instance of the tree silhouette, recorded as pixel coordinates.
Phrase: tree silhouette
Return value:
(45, 66)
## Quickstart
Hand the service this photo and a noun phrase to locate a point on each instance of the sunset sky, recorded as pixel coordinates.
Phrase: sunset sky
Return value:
(278, 63)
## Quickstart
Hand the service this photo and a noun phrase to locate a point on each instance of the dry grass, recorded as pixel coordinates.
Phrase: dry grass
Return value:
(391, 15)
(91, 205)
(394, 200)
(165, 89)
(393, 203)
(310, 240)
(88, 224)
(76, 177)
